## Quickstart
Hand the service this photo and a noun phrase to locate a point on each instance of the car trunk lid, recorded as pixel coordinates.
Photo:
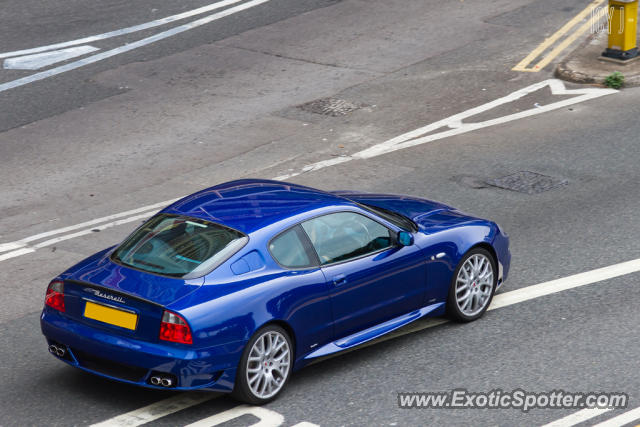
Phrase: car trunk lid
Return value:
(122, 300)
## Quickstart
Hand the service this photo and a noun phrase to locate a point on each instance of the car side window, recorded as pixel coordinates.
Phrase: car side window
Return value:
(289, 250)
(344, 235)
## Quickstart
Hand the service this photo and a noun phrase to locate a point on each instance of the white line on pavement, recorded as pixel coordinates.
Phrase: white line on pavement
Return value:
(569, 282)
(123, 31)
(501, 300)
(455, 126)
(156, 410)
(24, 242)
(128, 47)
(621, 419)
(577, 417)
(16, 253)
(44, 59)
(28, 250)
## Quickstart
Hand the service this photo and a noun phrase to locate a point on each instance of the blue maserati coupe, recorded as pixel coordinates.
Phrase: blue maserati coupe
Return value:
(234, 287)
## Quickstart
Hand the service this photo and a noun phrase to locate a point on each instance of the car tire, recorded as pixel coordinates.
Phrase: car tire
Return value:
(265, 366)
(472, 286)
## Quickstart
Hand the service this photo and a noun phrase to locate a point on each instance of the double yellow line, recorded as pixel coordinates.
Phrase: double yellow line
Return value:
(550, 41)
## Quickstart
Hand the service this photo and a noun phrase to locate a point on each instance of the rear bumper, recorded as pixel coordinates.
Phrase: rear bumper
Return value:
(133, 361)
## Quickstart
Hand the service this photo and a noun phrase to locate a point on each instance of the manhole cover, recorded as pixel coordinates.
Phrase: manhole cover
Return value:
(527, 182)
(330, 107)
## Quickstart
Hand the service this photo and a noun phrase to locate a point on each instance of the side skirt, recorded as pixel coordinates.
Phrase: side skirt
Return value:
(372, 332)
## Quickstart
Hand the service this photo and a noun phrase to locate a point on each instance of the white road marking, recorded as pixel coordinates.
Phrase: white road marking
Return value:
(16, 253)
(267, 417)
(128, 47)
(454, 125)
(565, 283)
(44, 59)
(622, 419)
(577, 417)
(156, 410)
(501, 300)
(408, 139)
(23, 242)
(32, 248)
(123, 31)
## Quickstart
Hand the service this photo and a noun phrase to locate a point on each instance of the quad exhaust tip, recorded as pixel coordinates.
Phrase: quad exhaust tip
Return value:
(161, 381)
(57, 350)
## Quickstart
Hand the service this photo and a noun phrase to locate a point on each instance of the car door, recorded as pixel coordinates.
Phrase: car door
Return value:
(370, 278)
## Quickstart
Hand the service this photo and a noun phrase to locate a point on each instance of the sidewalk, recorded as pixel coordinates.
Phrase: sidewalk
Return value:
(584, 64)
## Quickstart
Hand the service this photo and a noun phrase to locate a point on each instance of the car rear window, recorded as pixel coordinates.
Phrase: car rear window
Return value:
(179, 246)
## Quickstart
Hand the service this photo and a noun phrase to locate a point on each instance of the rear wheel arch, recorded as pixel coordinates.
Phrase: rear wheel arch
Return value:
(243, 389)
(284, 325)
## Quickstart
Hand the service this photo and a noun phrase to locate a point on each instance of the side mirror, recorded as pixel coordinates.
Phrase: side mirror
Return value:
(404, 238)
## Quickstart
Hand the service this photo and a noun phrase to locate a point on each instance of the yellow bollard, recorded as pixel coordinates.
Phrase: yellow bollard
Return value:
(623, 19)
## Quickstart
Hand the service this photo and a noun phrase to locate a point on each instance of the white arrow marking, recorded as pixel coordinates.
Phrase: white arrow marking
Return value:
(456, 126)
(123, 31)
(41, 60)
(128, 47)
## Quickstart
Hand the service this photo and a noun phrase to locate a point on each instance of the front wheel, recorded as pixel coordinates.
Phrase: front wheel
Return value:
(265, 366)
(472, 286)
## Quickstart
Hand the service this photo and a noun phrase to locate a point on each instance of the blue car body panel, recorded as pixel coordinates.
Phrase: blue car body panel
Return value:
(324, 308)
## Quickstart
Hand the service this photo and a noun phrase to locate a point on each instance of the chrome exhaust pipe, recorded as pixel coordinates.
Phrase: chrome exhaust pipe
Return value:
(156, 380)
(60, 351)
(53, 349)
(166, 382)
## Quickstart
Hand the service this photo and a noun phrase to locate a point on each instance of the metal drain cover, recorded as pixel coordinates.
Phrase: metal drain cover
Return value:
(330, 107)
(527, 182)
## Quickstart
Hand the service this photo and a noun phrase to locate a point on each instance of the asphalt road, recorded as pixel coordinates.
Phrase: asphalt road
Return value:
(219, 102)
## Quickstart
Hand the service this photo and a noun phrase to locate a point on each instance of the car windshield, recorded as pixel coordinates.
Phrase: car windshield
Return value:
(178, 246)
(391, 216)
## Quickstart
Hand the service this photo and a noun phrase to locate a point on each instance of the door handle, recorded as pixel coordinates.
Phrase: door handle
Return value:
(340, 279)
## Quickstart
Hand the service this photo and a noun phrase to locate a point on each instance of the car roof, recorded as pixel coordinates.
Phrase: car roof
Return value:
(248, 205)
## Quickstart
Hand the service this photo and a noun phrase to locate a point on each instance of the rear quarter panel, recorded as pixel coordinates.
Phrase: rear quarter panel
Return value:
(230, 307)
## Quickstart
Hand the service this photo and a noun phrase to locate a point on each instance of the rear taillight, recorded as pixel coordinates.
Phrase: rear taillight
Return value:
(55, 295)
(174, 328)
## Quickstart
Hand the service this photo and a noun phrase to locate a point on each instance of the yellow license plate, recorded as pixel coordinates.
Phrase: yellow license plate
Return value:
(109, 315)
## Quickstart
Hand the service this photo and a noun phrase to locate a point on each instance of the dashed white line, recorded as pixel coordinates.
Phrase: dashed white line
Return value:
(501, 300)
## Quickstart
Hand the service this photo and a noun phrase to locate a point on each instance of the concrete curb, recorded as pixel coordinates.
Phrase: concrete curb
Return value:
(584, 65)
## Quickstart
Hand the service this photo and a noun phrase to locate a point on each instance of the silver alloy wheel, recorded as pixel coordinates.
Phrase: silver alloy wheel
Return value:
(268, 364)
(474, 284)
